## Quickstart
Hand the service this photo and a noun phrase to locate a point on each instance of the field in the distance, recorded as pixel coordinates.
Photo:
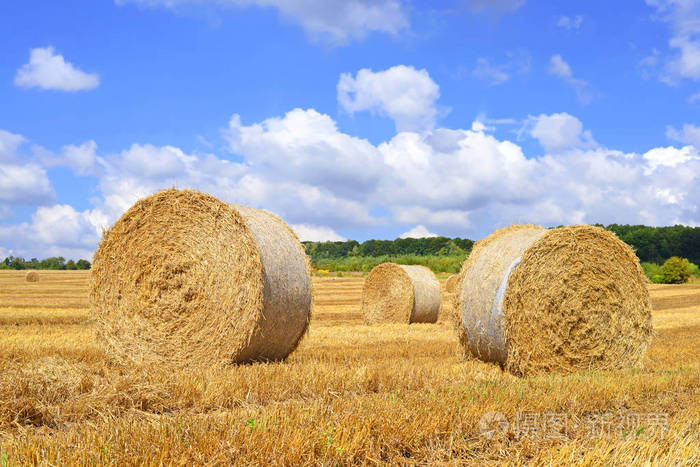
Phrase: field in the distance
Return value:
(349, 394)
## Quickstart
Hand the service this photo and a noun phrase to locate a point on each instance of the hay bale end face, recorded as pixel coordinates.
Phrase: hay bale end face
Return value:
(32, 276)
(186, 279)
(566, 299)
(394, 293)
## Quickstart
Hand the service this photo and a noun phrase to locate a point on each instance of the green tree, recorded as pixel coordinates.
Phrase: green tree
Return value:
(676, 270)
(83, 264)
(16, 263)
(58, 262)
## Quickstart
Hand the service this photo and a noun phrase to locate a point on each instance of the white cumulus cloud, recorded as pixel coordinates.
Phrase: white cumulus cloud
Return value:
(307, 147)
(418, 231)
(669, 157)
(558, 131)
(404, 94)
(316, 233)
(57, 230)
(9, 143)
(83, 158)
(48, 70)
(26, 184)
(23, 180)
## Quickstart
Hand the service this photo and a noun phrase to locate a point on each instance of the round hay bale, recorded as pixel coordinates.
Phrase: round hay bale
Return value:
(566, 299)
(185, 279)
(394, 293)
(32, 276)
(451, 283)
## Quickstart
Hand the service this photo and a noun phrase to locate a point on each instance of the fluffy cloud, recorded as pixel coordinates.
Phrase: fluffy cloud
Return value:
(559, 67)
(62, 225)
(689, 134)
(669, 157)
(558, 131)
(24, 185)
(23, 181)
(453, 169)
(332, 21)
(9, 143)
(57, 230)
(683, 17)
(155, 162)
(144, 169)
(418, 231)
(307, 147)
(47, 70)
(82, 159)
(315, 233)
(404, 94)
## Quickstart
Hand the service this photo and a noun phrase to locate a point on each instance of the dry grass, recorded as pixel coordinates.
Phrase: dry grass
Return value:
(351, 393)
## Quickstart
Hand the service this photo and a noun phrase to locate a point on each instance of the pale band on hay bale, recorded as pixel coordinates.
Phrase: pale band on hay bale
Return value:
(560, 300)
(185, 279)
(394, 293)
(32, 276)
(451, 283)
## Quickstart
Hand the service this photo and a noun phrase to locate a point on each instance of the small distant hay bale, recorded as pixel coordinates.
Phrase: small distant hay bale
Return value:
(185, 279)
(394, 293)
(451, 283)
(32, 276)
(564, 300)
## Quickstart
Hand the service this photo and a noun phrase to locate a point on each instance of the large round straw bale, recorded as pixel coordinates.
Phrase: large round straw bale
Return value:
(451, 283)
(566, 299)
(394, 293)
(32, 276)
(186, 279)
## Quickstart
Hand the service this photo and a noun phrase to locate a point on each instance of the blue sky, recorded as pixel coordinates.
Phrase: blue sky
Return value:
(350, 119)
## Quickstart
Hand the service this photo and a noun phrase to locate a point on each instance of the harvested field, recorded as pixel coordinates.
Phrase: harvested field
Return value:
(391, 393)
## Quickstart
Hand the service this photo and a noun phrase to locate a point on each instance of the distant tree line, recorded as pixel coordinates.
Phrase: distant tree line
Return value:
(652, 245)
(430, 246)
(657, 244)
(55, 262)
